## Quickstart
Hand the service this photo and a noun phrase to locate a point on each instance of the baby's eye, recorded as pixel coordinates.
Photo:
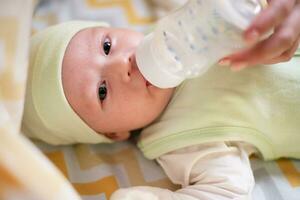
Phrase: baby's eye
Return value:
(106, 46)
(102, 91)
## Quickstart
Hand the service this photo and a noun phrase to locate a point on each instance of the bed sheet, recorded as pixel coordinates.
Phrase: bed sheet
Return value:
(22, 165)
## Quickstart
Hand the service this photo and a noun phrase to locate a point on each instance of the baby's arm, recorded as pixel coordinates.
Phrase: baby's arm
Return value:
(208, 171)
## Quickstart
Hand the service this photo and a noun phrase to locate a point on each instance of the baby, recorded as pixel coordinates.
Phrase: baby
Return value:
(84, 86)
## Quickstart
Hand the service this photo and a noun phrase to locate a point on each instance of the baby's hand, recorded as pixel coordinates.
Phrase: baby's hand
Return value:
(283, 16)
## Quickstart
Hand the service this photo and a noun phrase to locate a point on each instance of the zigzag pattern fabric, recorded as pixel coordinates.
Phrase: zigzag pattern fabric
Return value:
(97, 170)
(22, 166)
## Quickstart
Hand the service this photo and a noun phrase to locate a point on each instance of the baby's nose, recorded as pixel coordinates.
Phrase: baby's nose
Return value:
(126, 66)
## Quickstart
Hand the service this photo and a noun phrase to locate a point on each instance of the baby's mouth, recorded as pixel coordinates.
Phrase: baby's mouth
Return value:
(147, 83)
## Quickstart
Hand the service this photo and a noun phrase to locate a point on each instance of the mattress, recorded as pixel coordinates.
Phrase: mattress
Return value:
(94, 171)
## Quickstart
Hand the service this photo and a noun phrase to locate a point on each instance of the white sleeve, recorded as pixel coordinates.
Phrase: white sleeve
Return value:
(210, 171)
(215, 171)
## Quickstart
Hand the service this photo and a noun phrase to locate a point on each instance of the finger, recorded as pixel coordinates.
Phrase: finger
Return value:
(282, 40)
(269, 18)
(254, 55)
(259, 54)
(286, 56)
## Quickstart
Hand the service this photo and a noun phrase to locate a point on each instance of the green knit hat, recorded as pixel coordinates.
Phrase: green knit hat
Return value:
(47, 114)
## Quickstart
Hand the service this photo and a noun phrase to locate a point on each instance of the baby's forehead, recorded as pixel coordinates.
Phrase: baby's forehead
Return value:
(89, 40)
(85, 39)
(80, 43)
(81, 52)
(81, 38)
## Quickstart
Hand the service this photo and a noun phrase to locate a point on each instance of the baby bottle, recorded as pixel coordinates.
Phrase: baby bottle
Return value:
(187, 42)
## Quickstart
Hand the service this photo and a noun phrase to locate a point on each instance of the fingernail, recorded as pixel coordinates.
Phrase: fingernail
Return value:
(224, 62)
(238, 66)
(252, 36)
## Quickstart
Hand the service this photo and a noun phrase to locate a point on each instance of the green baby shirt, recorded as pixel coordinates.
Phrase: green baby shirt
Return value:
(259, 105)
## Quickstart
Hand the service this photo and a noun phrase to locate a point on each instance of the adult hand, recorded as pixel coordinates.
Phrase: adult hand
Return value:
(283, 16)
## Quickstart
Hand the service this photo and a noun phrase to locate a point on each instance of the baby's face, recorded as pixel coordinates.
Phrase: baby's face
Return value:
(103, 85)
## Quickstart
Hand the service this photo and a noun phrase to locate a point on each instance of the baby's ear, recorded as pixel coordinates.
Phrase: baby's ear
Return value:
(118, 136)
